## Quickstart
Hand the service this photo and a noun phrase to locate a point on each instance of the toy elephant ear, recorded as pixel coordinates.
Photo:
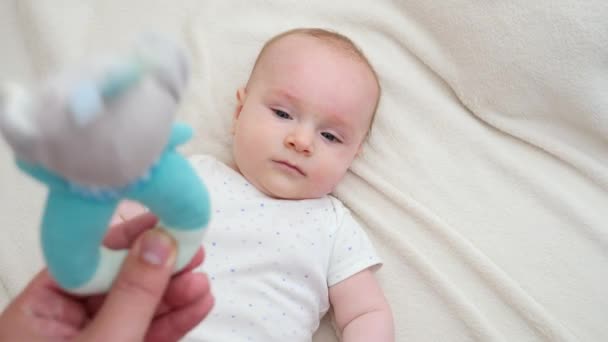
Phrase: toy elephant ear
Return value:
(16, 123)
(167, 61)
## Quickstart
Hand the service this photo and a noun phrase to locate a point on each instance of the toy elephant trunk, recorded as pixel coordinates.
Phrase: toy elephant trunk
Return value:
(100, 134)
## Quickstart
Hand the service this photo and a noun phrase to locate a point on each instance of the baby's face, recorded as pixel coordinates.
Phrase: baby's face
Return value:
(302, 119)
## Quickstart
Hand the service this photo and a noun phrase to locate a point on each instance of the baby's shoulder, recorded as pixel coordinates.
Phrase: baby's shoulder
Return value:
(203, 160)
(207, 165)
(336, 204)
(334, 210)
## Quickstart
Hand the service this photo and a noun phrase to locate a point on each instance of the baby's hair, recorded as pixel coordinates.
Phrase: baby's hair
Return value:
(333, 38)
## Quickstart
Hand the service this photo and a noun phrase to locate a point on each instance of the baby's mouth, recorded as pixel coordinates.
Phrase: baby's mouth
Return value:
(290, 166)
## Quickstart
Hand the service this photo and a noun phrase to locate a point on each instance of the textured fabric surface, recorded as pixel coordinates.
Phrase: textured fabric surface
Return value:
(484, 183)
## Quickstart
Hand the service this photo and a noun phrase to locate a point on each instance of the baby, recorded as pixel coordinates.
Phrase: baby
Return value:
(280, 250)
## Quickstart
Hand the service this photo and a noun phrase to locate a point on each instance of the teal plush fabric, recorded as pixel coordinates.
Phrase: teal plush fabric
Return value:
(75, 221)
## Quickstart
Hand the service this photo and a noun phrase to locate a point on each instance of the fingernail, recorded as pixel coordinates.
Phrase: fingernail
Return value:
(156, 248)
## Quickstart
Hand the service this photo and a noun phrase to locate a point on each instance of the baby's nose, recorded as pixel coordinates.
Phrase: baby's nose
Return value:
(300, 141)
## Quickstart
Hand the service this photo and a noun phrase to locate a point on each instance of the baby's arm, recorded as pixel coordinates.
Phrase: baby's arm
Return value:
(361, 311)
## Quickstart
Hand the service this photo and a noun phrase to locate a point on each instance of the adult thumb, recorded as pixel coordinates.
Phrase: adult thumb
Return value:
(131, 303)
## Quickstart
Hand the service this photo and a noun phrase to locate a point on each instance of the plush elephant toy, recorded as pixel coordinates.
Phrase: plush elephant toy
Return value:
(97, 135)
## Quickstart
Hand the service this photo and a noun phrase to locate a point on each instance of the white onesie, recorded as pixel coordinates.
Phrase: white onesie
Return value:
(271, 262)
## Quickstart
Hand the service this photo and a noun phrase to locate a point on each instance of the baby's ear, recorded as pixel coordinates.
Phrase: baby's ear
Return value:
(241, 94)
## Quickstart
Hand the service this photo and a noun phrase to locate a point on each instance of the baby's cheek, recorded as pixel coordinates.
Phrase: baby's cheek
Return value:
(244, 146)
(325, 182)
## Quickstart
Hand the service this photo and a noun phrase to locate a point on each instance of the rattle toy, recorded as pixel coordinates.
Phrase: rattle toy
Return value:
(100, 134)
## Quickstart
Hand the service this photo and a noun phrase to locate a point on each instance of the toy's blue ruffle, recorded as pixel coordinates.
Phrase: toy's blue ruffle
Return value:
(106, 193)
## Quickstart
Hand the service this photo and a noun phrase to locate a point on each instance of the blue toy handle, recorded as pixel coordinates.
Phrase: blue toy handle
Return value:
(73, 228)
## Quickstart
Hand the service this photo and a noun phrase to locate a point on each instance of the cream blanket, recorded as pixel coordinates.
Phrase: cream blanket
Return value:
(484, 184)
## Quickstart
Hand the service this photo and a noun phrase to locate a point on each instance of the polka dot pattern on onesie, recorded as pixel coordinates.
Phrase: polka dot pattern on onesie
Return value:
(270, 262)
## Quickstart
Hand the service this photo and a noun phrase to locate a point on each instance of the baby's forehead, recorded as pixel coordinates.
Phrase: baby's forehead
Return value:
(288, 46)
(320, 62)
(303, 39)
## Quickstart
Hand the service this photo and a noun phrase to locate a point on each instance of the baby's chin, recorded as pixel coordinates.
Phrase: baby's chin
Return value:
(280, 187)
(288, 193)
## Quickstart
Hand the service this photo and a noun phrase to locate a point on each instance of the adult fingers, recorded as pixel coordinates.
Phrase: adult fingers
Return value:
(131, 303)
(175, 324)
(123, 234)
(127, 210)
(186, 288)
(174, 289)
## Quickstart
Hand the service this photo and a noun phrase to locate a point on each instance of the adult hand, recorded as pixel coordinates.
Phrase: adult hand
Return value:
(144, 303)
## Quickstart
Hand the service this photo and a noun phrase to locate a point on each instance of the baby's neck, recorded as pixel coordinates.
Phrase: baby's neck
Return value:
(232, 164)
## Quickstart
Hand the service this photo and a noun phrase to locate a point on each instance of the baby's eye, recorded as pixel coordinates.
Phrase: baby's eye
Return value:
(281, 114)
(330, 137)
